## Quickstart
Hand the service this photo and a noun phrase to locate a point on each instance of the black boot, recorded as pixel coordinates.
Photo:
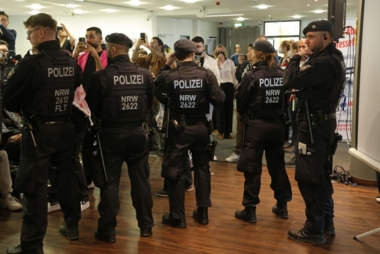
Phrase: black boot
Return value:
(70, 233)
(329, 225)
(201, 215)
(281, 210)
(248, 214)
(18, 250)
(306, 236)
(176, 223)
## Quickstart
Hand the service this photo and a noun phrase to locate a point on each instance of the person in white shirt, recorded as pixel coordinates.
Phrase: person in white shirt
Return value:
(228, 83)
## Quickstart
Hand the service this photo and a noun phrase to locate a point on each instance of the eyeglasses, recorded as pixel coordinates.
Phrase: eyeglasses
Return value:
(2, 20)
(30, 32)
(91, 37)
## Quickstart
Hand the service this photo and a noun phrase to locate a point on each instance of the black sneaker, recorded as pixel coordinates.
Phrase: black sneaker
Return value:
(18, 250)
(281, 211)
(329, 225)
(105, 238)
(145, 232)
(305, 236)
(176, 223)
(161, 193)
(70, 233)
(248, 214)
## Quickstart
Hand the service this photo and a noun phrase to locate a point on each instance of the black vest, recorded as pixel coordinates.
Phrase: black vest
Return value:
(267, 98)
(55, 94)
(126, 99)
(187, 91)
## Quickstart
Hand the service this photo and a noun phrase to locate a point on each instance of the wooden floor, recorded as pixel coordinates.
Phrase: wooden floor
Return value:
(356, 212)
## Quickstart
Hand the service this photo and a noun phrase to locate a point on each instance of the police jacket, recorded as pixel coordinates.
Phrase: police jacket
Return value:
(44, 84)
(189, 89)
(321, 79)
(121, 94)
(261, 93)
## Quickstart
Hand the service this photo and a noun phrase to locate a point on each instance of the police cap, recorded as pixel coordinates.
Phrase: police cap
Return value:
(119, 38)
(264, 46)
(184, 46)
(319, 26)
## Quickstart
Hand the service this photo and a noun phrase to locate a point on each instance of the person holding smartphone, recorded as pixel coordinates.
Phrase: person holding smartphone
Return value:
(8, 35)
(66, 39)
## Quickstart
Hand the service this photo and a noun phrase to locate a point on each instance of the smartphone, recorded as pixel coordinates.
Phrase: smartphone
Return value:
(82, 39)
(142, 36)
(197, 58)
(59, 28)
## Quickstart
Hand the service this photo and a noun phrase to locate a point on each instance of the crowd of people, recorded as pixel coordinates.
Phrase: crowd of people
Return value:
(87, 102)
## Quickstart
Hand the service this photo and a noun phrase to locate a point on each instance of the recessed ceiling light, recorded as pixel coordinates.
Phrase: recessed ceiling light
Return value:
(169, 7)
(296, 16)
(240, 19)
(70, 6)
(78, 11)
(308, 5)
(190, 1)
(319, 11)
(262, 6)
(109, 10)
(35, 6)
(134, 2)
(224, 15)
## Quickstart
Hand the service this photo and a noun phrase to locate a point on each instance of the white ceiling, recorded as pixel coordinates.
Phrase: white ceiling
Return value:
(278, 10)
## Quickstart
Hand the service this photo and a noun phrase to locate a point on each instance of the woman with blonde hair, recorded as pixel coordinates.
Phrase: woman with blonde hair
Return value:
(228, 81)
(260, 100)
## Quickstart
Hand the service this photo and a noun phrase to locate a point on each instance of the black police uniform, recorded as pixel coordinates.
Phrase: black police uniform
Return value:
(260, 100)
(189, 89)
(120, 96)
(43, 87)
(321, 82)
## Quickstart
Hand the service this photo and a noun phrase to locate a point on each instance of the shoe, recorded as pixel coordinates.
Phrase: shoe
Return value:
(19, 250)
(378, 199)
(189, 188)
(91, 186)
(305, 236)
(215, 132)
(248, 214)
(54, 206)
(291, 162)
(215, 158)
(233, 158)
(161, 193)
(329, 225)
(145, 232)
(84, 205)
(220, 136)
(290, 149)
(105, 238)
(201, 215)
(228, 136)
(281, 211)
(11, 203)
(70, 233)
(175, 223)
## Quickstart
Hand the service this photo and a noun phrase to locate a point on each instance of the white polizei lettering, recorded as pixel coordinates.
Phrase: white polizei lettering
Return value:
(61, 92)
(188, 84)
(128, 80)
(59, 72)
(133, 98)
(267, 82)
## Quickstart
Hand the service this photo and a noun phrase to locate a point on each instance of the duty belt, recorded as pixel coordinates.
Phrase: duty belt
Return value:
(302, 116)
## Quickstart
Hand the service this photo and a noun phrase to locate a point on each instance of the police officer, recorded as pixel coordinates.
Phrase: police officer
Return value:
(260, 100)
(120, 96)
(189, 89)
(42, 87)
(321, 80)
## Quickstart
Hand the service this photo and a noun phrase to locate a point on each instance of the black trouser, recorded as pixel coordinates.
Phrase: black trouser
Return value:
(188, 176)
(77, 169)
(196, 139)
(264, 136)
(13, 150)
(54, 146)
(226, 111)
(88, 155)
(130, 145)
(312, 174)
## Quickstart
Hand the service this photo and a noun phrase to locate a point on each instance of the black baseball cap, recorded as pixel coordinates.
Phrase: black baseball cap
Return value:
(319, 26)
(184, 45)
(119, 38)
(264, 46)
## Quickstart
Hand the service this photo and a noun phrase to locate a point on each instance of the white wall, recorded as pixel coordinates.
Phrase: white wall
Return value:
(131, 25)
